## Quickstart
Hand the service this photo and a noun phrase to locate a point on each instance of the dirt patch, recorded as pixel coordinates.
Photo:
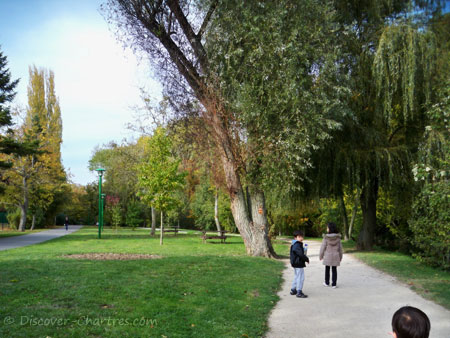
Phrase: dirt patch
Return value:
(112, 256)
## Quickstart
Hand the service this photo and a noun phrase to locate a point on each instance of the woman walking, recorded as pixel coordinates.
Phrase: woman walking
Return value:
(331, 253)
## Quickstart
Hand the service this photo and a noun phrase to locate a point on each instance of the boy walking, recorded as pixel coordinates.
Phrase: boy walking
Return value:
(298, 259)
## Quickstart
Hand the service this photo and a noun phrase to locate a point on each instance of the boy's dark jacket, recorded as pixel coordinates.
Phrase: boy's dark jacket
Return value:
(298, 257)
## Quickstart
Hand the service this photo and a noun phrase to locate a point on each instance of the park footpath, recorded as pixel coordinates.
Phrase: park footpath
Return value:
(12, 242)
(360, 307)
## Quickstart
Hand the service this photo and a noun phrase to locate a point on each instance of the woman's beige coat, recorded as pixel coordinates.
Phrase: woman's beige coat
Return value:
(331, 250)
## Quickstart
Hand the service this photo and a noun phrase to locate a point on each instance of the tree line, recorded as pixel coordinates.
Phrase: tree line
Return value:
(292, 112)
(303, 101)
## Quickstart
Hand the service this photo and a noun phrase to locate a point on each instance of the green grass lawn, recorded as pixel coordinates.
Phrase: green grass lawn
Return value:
(431, 283)
(10, 233)
(195, 290)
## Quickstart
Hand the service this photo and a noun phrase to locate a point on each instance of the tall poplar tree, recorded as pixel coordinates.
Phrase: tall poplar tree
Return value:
(38, 177)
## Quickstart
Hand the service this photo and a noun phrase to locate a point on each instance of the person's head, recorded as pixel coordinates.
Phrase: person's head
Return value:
(410, 322)
(298, 235)
(332, 228)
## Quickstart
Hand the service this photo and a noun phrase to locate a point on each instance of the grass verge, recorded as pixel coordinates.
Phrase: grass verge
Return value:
(11, 233)
(195, 290)
(429, 282)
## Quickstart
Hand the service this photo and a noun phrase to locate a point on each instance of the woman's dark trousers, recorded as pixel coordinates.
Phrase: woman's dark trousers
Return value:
(333, 275)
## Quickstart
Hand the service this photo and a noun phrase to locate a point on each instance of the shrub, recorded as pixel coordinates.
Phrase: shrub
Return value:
(13, 217)
(133, 217)
(430, 224)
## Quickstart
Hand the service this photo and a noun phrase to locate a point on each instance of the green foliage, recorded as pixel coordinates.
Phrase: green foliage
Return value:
(120, 162)
(133, 216)
(203, 206)
(329, 212)
(158, 175)
(116, 216)
(403, 67)
(430, 224)
(430, 221)
(13, 217)
(7, 93)
(268, 69)
(37, 178)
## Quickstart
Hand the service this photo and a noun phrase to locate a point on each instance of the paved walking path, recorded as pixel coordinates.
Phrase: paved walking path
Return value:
(361, 307)
(38, 237)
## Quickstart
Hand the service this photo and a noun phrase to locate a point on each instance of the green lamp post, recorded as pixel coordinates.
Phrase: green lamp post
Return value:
(100, 202)
(103, 207)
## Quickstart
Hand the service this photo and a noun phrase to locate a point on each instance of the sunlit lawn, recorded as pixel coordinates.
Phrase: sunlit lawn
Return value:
(195, 290)
(432, 283)
(10, 233)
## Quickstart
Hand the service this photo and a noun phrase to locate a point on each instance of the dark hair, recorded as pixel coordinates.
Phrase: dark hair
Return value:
(332, 227)
(410, 322)
(298, 233)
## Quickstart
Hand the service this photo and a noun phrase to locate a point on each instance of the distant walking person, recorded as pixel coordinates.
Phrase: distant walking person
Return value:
(410, 322)
(66, 223)
(331, 252)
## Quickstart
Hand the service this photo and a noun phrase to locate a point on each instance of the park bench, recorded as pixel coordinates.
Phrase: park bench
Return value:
(175, 230)
(222, 236)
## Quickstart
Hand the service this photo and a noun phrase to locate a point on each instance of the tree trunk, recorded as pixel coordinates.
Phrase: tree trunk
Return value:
(162, 230)
(33, 222)
(23, 217)
(352, 220)
(252, 225)
(261, 244)
(249, 202)
(368, 200)
(191, 64)
(152, 231)
(254, 233)
(24, 206)
(216, 212)
(344, 216)
(354, 211)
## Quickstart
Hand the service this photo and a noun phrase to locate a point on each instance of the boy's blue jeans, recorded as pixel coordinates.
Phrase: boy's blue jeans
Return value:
(299, 278)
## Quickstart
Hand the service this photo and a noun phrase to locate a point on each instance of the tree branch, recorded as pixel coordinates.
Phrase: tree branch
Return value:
(193, 38)
(395, 132)
(206, 20)
(184, 66)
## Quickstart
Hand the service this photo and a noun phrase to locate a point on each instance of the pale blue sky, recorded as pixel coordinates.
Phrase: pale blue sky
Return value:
(97, 81)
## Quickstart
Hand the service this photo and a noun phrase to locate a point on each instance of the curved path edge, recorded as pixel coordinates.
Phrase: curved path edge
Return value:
(361, 306)
(38, 237)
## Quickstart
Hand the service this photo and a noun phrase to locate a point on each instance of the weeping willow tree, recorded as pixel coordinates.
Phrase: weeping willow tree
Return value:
(390, 57)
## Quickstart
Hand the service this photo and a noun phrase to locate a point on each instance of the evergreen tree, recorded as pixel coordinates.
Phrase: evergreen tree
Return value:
(7, 94)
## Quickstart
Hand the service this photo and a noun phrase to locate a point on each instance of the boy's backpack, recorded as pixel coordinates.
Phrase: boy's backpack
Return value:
(295, 259)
